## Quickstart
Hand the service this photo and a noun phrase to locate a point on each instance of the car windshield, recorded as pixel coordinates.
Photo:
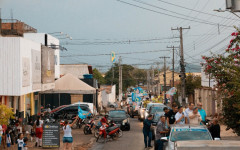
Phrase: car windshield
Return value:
(156, 117)
(156, 109)
(117, 114)
(197, 134)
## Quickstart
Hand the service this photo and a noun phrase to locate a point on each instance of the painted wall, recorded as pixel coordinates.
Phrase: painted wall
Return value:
(78, 70)
(17, 65)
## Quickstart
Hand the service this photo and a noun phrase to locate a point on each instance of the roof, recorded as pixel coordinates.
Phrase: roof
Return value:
(78, 70)
(71, 84)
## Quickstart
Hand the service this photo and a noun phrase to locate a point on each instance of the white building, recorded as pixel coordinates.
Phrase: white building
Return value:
(108, 94)
(49, 41)
(205, 81)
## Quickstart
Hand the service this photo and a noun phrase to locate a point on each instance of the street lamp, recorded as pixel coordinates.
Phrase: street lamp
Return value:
(56, 33)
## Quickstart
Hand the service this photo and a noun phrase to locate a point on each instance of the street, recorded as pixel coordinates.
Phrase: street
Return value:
(131, 140)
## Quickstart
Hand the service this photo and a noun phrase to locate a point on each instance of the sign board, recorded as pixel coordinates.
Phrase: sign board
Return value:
(48, 65)
(36, 69)
(51, 135)
(25, 71)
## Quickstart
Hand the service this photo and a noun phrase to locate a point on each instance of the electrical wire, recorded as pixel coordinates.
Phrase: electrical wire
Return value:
(162, 13)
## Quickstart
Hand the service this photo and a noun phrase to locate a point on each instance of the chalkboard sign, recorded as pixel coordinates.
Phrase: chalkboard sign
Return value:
(51, 135)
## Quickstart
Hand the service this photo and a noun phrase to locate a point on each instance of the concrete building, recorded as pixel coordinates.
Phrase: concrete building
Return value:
(78, 70)
(108, 94)
(20, 65)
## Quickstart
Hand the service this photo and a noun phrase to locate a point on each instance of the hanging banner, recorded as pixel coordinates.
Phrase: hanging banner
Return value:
(113, 57)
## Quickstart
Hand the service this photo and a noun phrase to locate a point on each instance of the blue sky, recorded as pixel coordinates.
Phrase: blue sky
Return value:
(112, 21)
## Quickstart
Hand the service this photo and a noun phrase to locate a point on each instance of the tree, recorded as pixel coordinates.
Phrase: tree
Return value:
(97, 75)
(192, 82)
(140, 75)
(5, 114)
(225, 69)
(127, 77)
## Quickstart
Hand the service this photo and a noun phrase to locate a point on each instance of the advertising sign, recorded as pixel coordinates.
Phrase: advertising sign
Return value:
(48, 65)
(51, 135)
(25, 71)
(36, 69)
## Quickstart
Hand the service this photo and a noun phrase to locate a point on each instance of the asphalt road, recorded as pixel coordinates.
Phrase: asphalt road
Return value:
(131, 140)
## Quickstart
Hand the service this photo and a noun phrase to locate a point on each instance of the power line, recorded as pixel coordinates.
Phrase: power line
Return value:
(209, 23)
(108, 54)
(197, 10)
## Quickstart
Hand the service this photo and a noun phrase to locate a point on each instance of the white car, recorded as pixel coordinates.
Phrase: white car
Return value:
(141, 112)
(185, 132)
(146, 113)
(90, 105)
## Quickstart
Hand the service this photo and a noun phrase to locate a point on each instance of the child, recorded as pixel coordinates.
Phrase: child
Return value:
(25, 140)
(8, 139)
(20, 142)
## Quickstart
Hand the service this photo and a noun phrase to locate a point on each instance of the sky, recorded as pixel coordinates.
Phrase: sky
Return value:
(137, 30)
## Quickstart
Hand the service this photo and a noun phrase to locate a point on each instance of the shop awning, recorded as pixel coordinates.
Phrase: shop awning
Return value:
(72, 85)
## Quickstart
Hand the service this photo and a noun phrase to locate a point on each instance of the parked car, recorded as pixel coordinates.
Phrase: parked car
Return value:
(69, 112)
(146, 113)
(141, 111)
(112, 105)
(186, 132)
(121, 118)
(56, 109)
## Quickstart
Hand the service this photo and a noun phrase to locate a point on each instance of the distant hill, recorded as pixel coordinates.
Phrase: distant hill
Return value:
(192, 68)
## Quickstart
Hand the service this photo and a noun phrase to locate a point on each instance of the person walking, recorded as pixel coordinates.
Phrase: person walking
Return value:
(195, 117)
(214, 129)
(38, 126)
(171, 115)
(180, 117)
(161, 131)
(187, 111)
(202, 113)
(147, 123)
(67, 134)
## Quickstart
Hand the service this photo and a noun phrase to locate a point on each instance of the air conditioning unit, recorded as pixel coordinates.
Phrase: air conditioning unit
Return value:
(233, 5)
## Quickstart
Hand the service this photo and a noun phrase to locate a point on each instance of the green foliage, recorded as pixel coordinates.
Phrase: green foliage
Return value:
(192, 82)
(140, 75)
(5, 114)
(128, 79)
(97, 75)
(225, 69)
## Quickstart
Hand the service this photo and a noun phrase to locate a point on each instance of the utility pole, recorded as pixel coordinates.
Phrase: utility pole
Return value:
(158, 85)
(120, 80)
(148, 80)
(182, 65)
(152, 80)
(173, 62)
(164, 88)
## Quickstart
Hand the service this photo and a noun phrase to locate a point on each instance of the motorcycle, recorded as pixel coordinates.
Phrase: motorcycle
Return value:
(88, 127)
(79, 123)
(112, 132)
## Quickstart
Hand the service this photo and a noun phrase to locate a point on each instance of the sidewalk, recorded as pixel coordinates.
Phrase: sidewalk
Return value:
(228, 135)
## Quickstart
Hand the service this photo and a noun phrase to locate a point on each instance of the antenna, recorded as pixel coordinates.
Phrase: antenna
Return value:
(0, 21)
(11, 19)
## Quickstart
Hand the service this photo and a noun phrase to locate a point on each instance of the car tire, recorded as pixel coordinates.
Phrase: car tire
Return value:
(127, 127)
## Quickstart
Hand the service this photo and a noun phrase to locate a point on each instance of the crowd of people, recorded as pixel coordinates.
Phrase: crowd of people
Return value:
(178, 115)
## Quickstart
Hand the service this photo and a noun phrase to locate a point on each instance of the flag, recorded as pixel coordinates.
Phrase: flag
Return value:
(83, 114)
(113, 57)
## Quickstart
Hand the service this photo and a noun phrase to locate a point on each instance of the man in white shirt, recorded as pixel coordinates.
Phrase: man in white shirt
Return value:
(195, 117)
(180, 117)
(187, 111)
